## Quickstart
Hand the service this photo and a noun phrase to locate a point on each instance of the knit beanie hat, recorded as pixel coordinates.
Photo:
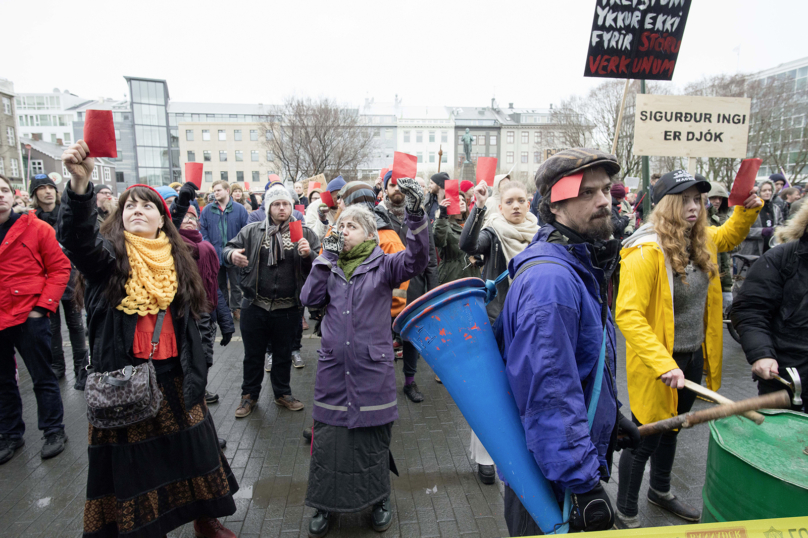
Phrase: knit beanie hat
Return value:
(335, 184)
(387, 177)
(175, 185)
(275, 193)
(466, 185)
(618, 191)
(40, 180)
(166, 192)
(358, 192)
(440, 178)
(192, 211)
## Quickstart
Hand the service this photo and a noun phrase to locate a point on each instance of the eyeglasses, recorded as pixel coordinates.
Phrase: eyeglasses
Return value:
(190, 218)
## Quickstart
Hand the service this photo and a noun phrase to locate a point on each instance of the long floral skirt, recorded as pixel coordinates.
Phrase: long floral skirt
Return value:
(154, 476)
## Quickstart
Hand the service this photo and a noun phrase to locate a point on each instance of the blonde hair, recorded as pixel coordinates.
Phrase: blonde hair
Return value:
(681, 248)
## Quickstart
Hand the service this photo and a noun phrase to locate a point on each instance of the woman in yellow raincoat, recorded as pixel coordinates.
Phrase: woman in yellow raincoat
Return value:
(669, 309)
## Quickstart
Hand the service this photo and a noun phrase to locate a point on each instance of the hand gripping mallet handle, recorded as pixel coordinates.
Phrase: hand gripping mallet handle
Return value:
(754, 416)
(775, 400)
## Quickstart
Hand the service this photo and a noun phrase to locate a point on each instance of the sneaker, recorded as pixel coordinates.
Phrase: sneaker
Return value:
(268, 363)
(289, 402)
(297, 360)
(54, 444)
(208, 527)
(246, 406)
(486, 473)
(210, 397)
(8, 446)
(674, 506)
(413, 393)
(318, 526)
(622, 521)
(381, 517)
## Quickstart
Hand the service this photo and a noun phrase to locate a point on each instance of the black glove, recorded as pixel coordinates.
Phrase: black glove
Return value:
(254, 202)
(334, 243)
(628, 435)
(414, 196)
(444, 212)
(186, 194)
(226, 339)
(591, 511)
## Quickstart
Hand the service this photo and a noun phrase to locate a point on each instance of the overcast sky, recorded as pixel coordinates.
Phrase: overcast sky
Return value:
(437, 52)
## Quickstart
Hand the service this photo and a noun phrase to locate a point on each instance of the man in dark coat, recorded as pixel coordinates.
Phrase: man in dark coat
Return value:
(392, 213)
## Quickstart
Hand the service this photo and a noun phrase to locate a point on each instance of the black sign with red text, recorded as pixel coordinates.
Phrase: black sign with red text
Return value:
(636, 38)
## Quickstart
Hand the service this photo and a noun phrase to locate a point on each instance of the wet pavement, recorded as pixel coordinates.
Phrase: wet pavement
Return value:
(437, 494)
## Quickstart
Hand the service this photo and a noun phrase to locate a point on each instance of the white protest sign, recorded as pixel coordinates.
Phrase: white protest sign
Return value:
(690, 126)
(632, 183)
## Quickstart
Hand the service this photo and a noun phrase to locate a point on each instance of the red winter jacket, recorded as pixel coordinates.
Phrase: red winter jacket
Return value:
(33, 270)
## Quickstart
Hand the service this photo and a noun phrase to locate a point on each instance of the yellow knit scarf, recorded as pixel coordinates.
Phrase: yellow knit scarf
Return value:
(153, 280)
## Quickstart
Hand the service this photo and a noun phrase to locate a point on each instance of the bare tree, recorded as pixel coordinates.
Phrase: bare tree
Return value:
(318, 137)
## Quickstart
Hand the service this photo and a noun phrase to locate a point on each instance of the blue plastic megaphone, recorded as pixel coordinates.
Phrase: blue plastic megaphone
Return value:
(449, 327)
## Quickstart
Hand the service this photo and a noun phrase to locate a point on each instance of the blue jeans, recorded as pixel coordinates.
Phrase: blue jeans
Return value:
(33, 340)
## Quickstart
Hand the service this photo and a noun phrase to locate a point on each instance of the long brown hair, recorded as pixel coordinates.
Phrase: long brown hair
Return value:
(681, 248)
(190, 291)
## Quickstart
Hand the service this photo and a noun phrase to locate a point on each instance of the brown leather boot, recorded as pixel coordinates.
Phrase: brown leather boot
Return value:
(208, 527)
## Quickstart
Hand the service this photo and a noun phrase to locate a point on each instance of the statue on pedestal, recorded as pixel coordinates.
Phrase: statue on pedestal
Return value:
(467, 138)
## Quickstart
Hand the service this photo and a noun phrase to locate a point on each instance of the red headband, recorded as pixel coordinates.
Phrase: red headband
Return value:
(165, 205)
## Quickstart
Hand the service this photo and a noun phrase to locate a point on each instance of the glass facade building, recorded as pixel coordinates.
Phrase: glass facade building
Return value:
(156, 164)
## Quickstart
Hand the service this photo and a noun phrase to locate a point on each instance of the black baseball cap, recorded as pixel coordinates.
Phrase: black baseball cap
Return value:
(677, 182)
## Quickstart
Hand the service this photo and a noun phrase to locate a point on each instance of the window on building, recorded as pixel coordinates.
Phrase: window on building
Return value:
(510, 137)
(254, 155)
(239, 155)
(406, 136)
(208, 177)
(10, 135)
(53, 138)
(95, 173)
(444, 137)
(509, 157)
(444, 158)
(67, 139)
(240, 177)
(538, 137)
(536, 158)
(2, 166)
(525, 137)
(7, 105)
(237, 136)
(388, 134)
(460, 140)
(189, 135)
(270, 156)
(191, 156)
(205, 134)
(222, 156)
(420, 156)
(550, 137)
(432, 156)
(256, 176)
(431, 136)
(37, 167)
(106, 175)
(473, 140)
(268, 134)
(492, 140)
(377, 133)
(223, 175)
(15, 171)
(523, 175)
(419, 137)
(253, 134)
(222, 134)
(524, 157)
(206, 156)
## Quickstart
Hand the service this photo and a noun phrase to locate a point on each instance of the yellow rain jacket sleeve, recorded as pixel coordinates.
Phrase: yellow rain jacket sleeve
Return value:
(644, 314)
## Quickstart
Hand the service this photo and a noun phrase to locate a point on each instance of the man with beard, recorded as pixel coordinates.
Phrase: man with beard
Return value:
(557, 333)
(390, 213)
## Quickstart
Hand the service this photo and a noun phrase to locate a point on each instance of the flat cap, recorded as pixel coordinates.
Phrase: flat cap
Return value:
(571, 161)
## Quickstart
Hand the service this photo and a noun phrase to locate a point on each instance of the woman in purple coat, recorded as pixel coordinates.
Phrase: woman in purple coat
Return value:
(355, 388)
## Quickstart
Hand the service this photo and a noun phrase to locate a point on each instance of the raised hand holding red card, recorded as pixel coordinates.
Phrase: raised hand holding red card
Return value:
(744, 181)
(295, 231)
(404, 165)
(99, 134)
(452, 190)
(193, 173)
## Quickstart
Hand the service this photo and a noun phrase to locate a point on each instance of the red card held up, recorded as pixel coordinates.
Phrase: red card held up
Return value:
(301, 208)
(295, 231)
(744, 181)
(193, 173)
(99, 133)
(313, 185)
(404, 165)
(486, 168)
(452, 190)
(16, 192)
(325, 197)
(567, 187)
(247, 186)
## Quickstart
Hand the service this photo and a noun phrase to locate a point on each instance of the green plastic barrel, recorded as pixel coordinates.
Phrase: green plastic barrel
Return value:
(757, 472)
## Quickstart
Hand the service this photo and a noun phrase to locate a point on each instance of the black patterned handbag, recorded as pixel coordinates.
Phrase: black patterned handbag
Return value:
(126, 396)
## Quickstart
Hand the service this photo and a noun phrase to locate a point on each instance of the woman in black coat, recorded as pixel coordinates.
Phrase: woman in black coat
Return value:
(135, 266)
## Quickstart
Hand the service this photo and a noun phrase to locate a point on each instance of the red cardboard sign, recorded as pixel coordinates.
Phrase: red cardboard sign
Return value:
(744, 181)
(99, 133)
(452, 190)
(312, 186)
(295, 231)
(486, 168)
(404, 165)
(301, 208)
(193, 173)
(325, 197)
(16, 192)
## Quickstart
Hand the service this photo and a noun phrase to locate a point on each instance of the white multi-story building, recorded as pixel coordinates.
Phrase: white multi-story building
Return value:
(48, 116)
(382, 120)
(423, 131)
(11, 164)
(528, 137)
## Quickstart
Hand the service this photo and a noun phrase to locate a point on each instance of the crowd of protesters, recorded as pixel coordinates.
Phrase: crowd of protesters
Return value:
(150, 277)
